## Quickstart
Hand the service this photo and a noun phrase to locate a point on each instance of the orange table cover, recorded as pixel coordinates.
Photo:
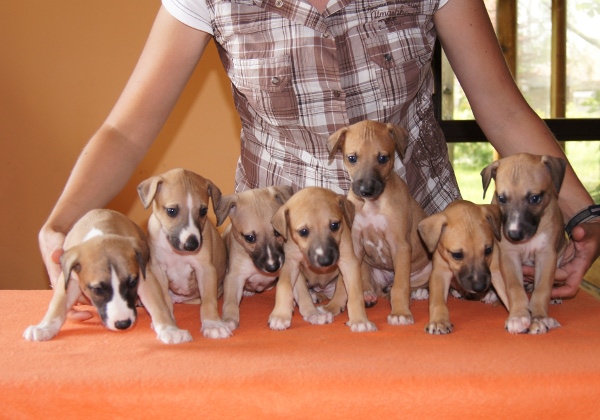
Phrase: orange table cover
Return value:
(308, 371)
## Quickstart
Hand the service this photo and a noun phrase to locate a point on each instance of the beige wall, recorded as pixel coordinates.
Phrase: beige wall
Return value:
(63, 64)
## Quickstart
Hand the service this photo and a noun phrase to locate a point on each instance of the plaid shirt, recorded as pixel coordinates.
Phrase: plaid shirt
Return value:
(298, 76)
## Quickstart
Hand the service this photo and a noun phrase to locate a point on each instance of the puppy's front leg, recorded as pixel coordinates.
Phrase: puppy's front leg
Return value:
(306, 306)
(281, 316)
(152, 295)
(62, 300)
(357, 315)
(439, 285)
(400, 292)
(232, 296)
(212, 326)
(540, 298)
(519, 317)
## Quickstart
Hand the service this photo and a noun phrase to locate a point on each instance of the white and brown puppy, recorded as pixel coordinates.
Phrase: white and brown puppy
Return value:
(105, 260)
(254, 247)
(315, 223)
(527, 189)
(463, 240)
(385, 225)
(188, 252)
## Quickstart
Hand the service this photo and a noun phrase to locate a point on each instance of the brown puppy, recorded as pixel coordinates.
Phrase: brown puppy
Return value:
(188, 253)
(462, 239)
(527, 189)
(384, 232)
(254, 248)
(315, 223)
(106, 257)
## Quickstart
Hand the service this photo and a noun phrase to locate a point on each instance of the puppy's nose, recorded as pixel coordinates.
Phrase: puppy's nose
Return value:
(515, 235)
(191, 244)
(123, 325)
(272, 267)
(479, 285)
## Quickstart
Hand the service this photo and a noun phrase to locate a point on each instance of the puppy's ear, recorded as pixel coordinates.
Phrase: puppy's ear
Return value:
(282, 193)
(336, 142)
(400, 137)
(148, 188)
(280, 221)
(142, 254)
(347, 209)
(215, 194)
(69, 261)
(494, 218)
(487, 174)
(226, 204)
(557, 168)
(431, 229)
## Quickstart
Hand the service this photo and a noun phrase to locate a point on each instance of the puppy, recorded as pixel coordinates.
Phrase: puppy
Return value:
(384, 232)
(527, 189)
(105, 260)
(315, 223)
(254, 247)
(462, 239)
(188, 253)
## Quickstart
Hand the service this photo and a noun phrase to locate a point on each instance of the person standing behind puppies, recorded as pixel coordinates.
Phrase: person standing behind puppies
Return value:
(312, 68)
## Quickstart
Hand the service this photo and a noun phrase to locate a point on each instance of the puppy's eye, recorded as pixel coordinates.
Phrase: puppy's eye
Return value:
(535, 199)
(97, 290)
(203, 211)
(383, 159)
(352, 159)
(458, 256)
(334, 226)
(132, 282)
(501, 199)
(277, 234)
(172, 211)
(303, 232)
(488, 250)
(250, 238)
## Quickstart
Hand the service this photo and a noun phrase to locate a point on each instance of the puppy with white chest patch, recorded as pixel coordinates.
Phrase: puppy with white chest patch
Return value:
(188, 252)
(463, 240)
(527, 189)
(254, 247)
(384, 231)
(315, 223)
(105, 260)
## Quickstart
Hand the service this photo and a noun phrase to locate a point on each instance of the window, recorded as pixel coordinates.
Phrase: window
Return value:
(553, 50)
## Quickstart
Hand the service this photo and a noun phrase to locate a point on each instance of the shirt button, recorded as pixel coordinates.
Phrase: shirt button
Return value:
(387, 57)
(275, 80)
(278, 3)
(326, 35)
(336, 94)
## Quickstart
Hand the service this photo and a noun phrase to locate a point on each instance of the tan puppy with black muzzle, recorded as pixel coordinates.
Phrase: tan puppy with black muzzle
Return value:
(254, 247)
(315, 223)
(463, 240)
(384, 232)
(105, 261)
(527, 189)
(187, 250)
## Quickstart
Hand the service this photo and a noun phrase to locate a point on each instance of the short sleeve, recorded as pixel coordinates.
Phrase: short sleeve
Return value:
(442, 3)
(193, 13)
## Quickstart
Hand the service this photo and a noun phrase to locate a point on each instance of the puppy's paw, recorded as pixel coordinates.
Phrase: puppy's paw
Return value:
(517, 324)
(419, 294)
(456, 294)
(556, 301)
(173, 335)
(490, 298)
(279, 323)
(39, 333)
(400, 319)
(370, 298)
(319, 317)
(247, 293)
(363, 326)
(440, 327)
(231, 323)
(542, 325)
(215, 329)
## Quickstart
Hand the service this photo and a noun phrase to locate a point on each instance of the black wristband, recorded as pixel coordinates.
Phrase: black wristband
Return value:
(589, 213)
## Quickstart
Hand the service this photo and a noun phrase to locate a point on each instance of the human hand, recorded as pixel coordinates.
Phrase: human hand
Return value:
(585, 248)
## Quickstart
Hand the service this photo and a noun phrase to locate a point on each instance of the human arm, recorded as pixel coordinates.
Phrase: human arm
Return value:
(114, 151)
(468, 38)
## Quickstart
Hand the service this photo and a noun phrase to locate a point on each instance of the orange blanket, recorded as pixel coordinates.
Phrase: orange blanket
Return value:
(478, 371)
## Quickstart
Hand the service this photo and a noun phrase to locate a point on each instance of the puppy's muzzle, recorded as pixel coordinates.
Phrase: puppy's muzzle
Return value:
(324, 255)
(269, 259)
(519, 226)
(369, 187)
(192, 243)
(475, 280)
